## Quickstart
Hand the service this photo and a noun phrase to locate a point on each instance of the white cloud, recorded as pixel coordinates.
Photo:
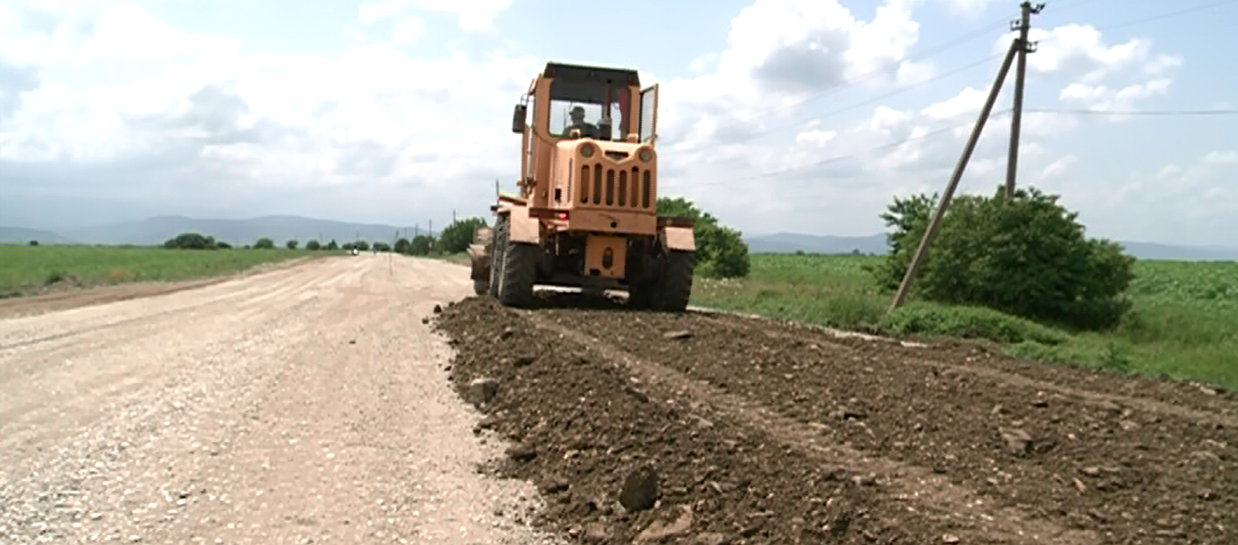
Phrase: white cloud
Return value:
(1228, 157)
(311, 131)
(1058, 167)
(968, 100)
(1104, 98)
(474, 15)
(407, 30)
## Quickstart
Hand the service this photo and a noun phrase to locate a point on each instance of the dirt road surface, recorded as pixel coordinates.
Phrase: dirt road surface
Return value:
(305, 404)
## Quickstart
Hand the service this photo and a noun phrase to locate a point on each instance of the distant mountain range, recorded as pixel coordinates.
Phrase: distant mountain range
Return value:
(876, 244)
(240, 232)
(237, 232)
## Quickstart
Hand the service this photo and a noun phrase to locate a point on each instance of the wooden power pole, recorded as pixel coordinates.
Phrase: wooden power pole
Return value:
(1023, 25)
(935, 222)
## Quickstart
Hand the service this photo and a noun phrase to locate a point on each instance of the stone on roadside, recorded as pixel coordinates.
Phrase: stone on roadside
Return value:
(659, 530)
(1017, 440)
(482, 390)
(640, 489)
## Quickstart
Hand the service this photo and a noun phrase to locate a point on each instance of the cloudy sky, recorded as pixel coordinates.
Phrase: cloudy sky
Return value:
(777, 115)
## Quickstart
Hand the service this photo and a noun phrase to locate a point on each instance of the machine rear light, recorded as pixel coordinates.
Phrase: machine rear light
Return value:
(561, 216)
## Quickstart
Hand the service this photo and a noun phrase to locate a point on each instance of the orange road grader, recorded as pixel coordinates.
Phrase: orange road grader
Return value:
(586, 214)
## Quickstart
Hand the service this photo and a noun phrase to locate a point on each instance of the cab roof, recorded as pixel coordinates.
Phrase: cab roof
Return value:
(584, 73)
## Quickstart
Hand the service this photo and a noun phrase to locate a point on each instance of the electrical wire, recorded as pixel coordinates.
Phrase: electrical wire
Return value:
(836, 159)
(1167, 15)
(878, 98)
(978, 32)
(1132, 112)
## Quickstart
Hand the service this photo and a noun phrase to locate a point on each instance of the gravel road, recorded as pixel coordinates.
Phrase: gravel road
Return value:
(306, 404)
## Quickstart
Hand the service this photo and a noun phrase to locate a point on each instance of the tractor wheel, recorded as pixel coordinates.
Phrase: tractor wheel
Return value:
(497, 244)
(519, 273)
(674, 286)
(640, 296)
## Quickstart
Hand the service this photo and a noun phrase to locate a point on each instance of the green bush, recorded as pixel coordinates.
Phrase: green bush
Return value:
(403, 246)
(292, 244)
(720, 250)
(969, 323)
(313, 245)
(191, 241)
(1026, 256)
(333, 245)
(34, 243)
(264, 243)
(421, 245)
(381, 247)
(456, 237)
(361, 245)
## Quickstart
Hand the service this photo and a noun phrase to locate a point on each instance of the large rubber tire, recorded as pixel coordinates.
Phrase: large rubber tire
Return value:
(497, 244)
(640, 296)
(519, 273)
(673, 289)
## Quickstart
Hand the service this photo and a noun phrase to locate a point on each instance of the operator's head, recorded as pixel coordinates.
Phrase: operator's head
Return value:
(578, 114)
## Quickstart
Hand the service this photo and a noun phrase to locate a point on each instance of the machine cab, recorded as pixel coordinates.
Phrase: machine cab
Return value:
(567, 104)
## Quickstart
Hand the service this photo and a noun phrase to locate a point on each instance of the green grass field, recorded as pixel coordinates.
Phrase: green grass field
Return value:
(27, 268)
(1184, 322)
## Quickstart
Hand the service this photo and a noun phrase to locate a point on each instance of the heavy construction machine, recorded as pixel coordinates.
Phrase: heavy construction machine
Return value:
(586, 213)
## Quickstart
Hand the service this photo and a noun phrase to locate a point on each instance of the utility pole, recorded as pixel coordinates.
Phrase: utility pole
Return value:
(1023, 25)
(453, 215)
(935, 222)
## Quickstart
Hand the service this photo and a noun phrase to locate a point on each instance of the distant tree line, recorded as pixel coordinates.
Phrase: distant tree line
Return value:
(455, 238)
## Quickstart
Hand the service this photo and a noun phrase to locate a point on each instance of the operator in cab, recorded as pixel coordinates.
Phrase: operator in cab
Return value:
(587, 130)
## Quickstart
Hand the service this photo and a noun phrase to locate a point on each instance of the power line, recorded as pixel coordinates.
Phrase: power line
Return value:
(1168, 15)
(881, 97)
(1133, 112)
(965, 38)
(831, 160)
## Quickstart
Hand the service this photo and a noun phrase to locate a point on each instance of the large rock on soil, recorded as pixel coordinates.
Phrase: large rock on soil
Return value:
(640, 490)
(482, 390)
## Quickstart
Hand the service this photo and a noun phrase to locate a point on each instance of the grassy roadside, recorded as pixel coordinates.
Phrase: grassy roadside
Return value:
(24, 269)
(461, 258)
(1183, 323)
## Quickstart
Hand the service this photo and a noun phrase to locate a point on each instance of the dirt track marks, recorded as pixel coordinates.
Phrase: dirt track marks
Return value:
(961, 509)
(1213, 408)
(1106, 468)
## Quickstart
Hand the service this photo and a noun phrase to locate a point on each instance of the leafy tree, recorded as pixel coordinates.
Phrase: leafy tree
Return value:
(313, 245)
(222, 245)
(292, 244)
(1027, 256)
(720, 250)
(361, 245)
(456, 237)
(421, 245)
(381, 247)
(403, 246)
(264, 243)
(348, 246)
(333, 245)
(34, 243)
(191, 241)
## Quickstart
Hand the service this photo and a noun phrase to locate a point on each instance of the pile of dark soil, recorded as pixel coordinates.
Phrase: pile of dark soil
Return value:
(594, 438)
(766, 432)
(1083, 448)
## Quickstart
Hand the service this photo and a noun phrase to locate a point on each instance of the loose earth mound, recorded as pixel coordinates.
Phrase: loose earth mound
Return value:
(697, 428)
